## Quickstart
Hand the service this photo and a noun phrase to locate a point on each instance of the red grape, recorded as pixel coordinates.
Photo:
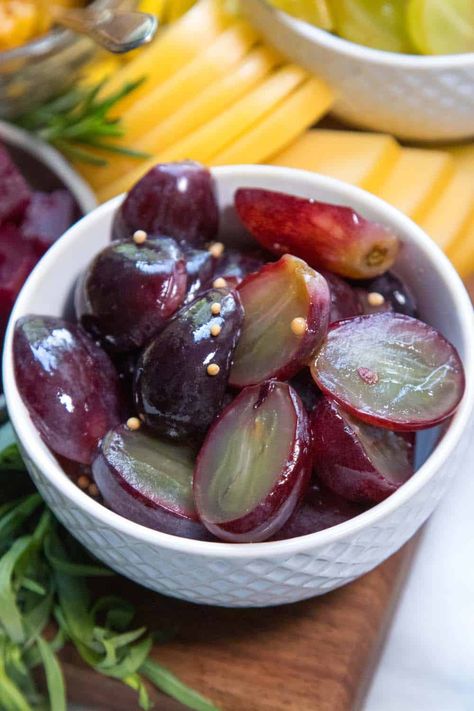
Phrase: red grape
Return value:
(47, 217)
(181, 377)
(234, 265)
(286, 307)
(397, 296)
(326, 236)
(173, 199)
(357, 461)
(129, 291)
(199, 270)
(15, 193)
(254, 465)
(68, 384)
(344, 298)
(148, 481)
(390, 370)
(17, 259)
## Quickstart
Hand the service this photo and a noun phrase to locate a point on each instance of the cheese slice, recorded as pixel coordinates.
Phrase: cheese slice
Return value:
(449, 215)
(297, 112)
(362, 159)
(416, 180)
(461, 252)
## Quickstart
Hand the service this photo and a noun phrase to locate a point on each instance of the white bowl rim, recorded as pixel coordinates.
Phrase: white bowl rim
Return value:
(360, 52)
(41, 456)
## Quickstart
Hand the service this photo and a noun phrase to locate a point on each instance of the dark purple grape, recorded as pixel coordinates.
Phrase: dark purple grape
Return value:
(396, 294)
(68, 384)
(359, 462)
(254, 465)
(181, 377)
(306, 388)
(371, 302)
(200, 270)
(47, 217)
(148, 481)
(17, 259)
(344, 298)
(390, 370)
(175, 199)
(320, 509)
(234, 265)
(15, 194)
(129, 291)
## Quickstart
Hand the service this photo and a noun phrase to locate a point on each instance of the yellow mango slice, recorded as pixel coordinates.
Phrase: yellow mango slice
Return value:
(449, 215)
(213, 63)
(174, 47)
(206, 141)
(362, 159)
(416, 180)
(293, 115)
(194, 113)
(461, 252)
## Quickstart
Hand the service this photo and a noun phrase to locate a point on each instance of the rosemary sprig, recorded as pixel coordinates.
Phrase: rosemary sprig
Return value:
(79, 120)
(43, 573)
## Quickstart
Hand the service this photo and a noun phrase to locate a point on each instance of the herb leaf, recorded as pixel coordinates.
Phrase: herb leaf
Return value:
(54, 676)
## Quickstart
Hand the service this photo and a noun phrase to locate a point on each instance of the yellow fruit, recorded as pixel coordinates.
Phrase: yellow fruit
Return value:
(362, 159)
(293, 115)
(316, 12)
(448, 216)
(18, 20)
(461, 252)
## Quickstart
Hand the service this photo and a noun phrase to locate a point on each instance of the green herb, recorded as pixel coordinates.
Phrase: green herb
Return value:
(43, 573)
(79, 120)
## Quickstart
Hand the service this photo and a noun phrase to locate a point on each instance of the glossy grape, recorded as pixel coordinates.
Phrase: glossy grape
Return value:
(331, 237)
(390, 370)
(199, 270)
(234, 265)
(17, 259)
(397, 295)
(174, 392)
(129, 291)
(254, 465)
(47, 217)
(68, 384)
(274, 299)
(174, 199)
(357, 461)
(15, 194)
(344, 298)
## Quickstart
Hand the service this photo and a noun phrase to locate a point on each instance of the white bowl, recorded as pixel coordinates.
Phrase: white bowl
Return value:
(262, 573)
(426, 98)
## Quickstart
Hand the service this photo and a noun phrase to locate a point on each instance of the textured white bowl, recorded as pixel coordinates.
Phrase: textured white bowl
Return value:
(262, 573)
(414, 97)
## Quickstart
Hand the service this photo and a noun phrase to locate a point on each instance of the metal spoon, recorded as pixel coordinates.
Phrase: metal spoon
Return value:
(117, 32)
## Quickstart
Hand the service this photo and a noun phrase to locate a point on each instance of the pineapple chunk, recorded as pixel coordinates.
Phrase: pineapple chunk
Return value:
(292, 116)
(362, 159)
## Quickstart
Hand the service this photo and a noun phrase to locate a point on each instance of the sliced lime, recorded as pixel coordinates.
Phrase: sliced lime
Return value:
(441, 26)
(374, 23)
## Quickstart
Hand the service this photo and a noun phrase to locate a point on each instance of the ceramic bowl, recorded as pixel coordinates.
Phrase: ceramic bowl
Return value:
(426, 98)
(268, 573)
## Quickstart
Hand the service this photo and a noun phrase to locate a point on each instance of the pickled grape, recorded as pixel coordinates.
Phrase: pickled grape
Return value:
(199, 270)
(254, 465)
(47, 217)
(235, 265)
(344, 298)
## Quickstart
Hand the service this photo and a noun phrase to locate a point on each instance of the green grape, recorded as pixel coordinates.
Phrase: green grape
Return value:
(374, 23)
(441, 26)
(315, 12)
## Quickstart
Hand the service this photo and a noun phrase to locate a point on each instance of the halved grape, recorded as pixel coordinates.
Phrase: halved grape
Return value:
(326, 236)
(390, 370)
(200, 270)
(306, 388)
(286, 307)
(181, 377)
(148, 481)
(321, 508)
(357, 461)
(344, 298)
(235, 265)
(372, 302)
(129, 291)
(175, 199)
(396, 295)
(254, 465)
(17, 259)
(15, 193)
(68, 384)
(47, 217)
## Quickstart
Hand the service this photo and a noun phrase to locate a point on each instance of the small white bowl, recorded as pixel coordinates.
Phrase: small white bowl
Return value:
(269, 573)
(426, 98)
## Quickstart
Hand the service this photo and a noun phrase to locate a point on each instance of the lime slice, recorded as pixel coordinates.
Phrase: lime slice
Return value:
(441, 26)
(316, 12)
(374, 23)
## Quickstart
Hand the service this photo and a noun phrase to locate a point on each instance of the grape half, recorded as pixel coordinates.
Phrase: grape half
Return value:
(390, 370)
(254, 465)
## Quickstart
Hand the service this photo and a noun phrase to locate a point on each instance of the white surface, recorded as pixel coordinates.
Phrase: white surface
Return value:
(270, 573)
(428, 662)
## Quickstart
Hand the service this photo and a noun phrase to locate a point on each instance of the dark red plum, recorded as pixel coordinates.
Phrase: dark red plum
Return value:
(357, 461)
(68, 384)
(130, 290)
(331, 237)
(15, 193)
(175, 199)
(286, 307)
(234, 265)
(199, 270)
(306, 388)
(254, 466)
(181, 377)
(321, 509)
(47, 217)
(396, 294)
(390, 370)
(17, 259)
(344, 298)
(148, 481)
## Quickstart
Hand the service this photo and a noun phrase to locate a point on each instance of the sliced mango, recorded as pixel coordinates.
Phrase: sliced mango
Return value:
(416, 180)
(293, 115)
(362, 159)
(449, 215)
